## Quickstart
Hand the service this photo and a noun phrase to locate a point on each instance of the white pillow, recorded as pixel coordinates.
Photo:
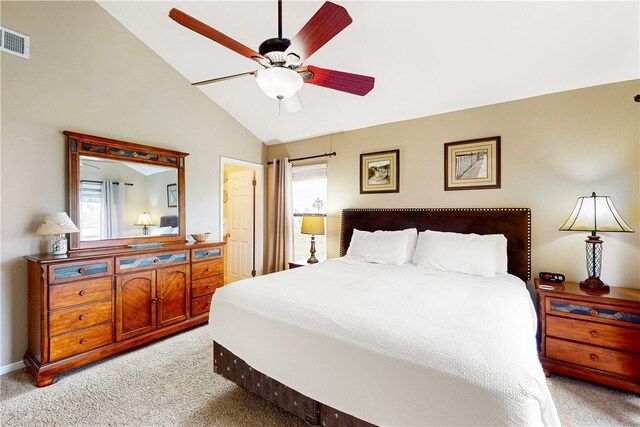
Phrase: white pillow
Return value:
(383, 247)
(501, 251)
(460, 253)
(160, 231)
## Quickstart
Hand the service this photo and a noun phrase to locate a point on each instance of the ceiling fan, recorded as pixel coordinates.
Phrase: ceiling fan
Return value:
(283, 72)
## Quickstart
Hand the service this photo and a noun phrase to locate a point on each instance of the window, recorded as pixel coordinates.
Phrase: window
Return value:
(90, 210)
(309, 187)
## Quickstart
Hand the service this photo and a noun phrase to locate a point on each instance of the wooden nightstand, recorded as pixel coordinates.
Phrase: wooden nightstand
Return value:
(589, 336)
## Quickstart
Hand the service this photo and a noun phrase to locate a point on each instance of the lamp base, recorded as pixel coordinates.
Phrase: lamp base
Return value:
(59, 245)
(594, 284)
(312, 259)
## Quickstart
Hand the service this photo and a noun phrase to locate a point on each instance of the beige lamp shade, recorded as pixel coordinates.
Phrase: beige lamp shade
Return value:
(57, 223)
(313, 225)
(595, 213)
(144, 219)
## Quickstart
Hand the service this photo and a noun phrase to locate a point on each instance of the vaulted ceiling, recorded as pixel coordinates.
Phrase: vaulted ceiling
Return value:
(428, 57)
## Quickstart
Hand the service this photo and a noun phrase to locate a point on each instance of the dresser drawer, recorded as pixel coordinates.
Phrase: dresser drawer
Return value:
(80, 341)
(150, 262)
(201, 270)
(68, 272)
(616, 362)
(594, 333)
(61, 296)
(206, 286)
(602, 312)
(200, 305)
(84, 316)
(205, 254)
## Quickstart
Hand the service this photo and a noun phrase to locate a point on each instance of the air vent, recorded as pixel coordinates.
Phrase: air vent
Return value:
(14, 43)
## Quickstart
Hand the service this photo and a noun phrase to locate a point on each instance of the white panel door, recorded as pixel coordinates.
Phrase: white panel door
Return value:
(240, 225)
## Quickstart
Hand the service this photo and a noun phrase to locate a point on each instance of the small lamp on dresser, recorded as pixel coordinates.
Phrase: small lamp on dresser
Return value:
(57, 224)
(595, 213)
(144, 220)
(314, 225)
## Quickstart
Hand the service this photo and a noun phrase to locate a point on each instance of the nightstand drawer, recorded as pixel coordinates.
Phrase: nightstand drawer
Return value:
(81, 317)
(594, 333)
(61, 296)
(80, 341)
(606, 313)
(206, 286)
(603, 359)
(206, 269)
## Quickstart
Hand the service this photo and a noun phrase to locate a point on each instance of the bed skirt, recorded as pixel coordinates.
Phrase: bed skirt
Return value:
(312, 412)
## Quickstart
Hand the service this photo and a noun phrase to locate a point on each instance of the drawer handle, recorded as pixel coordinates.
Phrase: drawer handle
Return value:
(154, 300)
(82, 293)
(208, 269)
(594, 334)
(83, 341)
(594, 312)
(156, 260)
(83, 317)
(209, 286)
(82, 270)
(594, 357)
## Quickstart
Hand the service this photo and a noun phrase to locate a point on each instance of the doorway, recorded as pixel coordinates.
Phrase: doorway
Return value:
(241, 218)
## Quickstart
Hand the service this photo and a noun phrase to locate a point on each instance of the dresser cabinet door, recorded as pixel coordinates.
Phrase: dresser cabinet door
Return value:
(173, 295)
(135, 304)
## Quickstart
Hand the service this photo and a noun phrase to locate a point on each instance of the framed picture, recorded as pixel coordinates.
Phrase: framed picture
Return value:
(172, 195)
(380, 172)
(472, 164)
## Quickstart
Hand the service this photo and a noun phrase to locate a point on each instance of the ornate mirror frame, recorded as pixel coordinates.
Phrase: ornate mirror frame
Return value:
(95, 146)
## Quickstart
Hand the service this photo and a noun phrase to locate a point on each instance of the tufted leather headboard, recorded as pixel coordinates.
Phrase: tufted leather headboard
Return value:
(514, 223)
(169, 221)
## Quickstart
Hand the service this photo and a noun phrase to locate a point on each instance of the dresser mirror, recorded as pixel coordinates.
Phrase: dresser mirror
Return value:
(121, 193)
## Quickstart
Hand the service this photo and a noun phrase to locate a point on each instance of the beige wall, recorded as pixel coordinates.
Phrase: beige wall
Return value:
(555, 148)
(89, 74)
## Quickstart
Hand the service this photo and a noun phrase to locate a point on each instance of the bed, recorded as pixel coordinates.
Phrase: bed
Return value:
(349, 342)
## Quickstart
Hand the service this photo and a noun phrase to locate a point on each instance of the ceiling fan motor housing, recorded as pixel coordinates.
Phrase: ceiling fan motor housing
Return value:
(274, 45)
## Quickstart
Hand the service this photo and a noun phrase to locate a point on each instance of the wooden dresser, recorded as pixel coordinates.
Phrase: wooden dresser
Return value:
(591, 336)
(89, 305)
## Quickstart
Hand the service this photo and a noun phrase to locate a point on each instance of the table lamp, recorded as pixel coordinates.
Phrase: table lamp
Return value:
(595, 213)
(144, 220)
(57, 224)
(314, 225)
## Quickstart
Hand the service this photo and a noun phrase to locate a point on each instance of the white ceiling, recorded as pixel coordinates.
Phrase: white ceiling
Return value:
(428, 57)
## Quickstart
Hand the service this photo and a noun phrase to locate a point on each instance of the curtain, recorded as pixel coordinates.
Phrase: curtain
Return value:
(112, 203)
(280, 220)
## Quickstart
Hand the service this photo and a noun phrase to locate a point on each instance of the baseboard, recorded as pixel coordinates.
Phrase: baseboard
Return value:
(11, 367)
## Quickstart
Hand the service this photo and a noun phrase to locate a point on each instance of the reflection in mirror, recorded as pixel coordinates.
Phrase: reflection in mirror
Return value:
(113, 194)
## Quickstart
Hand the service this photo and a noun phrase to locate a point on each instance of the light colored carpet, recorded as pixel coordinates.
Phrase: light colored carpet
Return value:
(171, 383)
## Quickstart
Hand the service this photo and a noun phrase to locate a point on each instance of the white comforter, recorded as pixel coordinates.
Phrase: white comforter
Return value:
(392, 345)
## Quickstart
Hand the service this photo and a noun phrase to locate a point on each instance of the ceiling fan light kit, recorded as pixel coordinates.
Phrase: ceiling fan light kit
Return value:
(279, 82)
(282, 59)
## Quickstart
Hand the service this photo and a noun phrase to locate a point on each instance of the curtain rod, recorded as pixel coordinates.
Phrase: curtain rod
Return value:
(310, 157)
(100, 182)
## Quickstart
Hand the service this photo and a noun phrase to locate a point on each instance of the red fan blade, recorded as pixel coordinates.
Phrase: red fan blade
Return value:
(339, 80)
(201, 28)
(328, 21)
(221, 79)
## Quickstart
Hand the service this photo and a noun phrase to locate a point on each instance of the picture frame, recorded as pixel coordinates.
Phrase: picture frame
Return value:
(473, 164)
(172, 195)
(380, 172)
